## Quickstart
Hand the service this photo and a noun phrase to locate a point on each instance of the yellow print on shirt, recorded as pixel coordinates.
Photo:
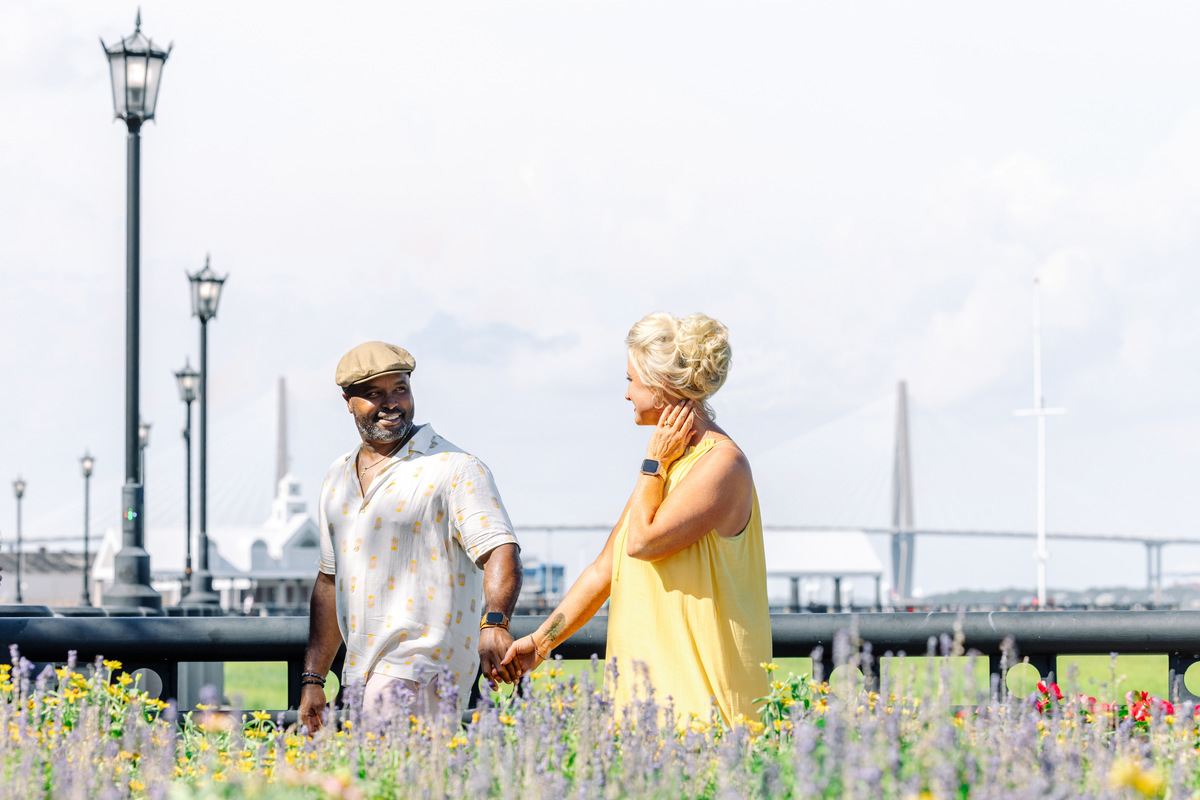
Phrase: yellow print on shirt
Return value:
(495, 503)
(417, 528)
(458, 618)
(462, 581)
(412, 566)
(370, 638)
(408, 605)
(389, 621)
(424, 630)
(440, 514)
(345, 508)
(470, 488)
(417, 474)
(448, 618)
(400, 506)
(483, 523)
(353, 623)
(433, 554)
(395, 542)
(468, 642)
(391, 581)
(341, 584)
(430, 592)
(353, 583)
(372, 564)
(357, 544)
(437, 651)
(450, 655)
(370, 601)
(429, 490)
(472, 604)
(379, 523)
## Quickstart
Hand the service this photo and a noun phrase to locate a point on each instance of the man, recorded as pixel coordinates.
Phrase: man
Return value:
(412, 529)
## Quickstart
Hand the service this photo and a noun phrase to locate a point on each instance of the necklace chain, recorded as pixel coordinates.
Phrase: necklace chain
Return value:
(362, 472)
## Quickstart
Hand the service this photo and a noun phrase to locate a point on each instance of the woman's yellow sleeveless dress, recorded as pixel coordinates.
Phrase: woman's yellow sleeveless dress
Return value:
(698, 619)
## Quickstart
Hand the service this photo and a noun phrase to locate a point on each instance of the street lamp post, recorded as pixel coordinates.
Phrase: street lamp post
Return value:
(136, 67)
(206, 294)
(188, 380)
(143, 443)
(87, 462)
(19, 490)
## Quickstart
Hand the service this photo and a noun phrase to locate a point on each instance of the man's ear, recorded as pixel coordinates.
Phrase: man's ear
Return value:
(346, 397)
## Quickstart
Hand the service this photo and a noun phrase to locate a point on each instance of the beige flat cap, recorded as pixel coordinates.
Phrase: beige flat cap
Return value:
(371, 359)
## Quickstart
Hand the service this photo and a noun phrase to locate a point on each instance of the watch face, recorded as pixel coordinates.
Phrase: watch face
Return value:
(493, 618)
(650, 466)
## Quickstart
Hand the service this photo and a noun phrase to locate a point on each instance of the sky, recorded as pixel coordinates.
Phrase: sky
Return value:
(863, 192)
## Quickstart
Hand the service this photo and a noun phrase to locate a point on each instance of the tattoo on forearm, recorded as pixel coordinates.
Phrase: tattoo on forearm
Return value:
(557, 623)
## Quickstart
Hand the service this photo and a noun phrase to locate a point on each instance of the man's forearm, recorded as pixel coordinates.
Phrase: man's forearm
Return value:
(502, 576)
(324, 635)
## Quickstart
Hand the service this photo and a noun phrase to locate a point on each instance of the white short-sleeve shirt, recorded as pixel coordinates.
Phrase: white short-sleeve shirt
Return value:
(404, 559)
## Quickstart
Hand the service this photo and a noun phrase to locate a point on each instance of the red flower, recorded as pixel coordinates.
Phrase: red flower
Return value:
(1058, 695)
(1041, 687)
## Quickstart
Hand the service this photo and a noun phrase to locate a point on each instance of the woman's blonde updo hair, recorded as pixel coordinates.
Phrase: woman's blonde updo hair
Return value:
(688, 358)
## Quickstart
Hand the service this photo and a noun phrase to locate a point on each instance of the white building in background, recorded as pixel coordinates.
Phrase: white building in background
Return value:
(266, 568)
(273, 563)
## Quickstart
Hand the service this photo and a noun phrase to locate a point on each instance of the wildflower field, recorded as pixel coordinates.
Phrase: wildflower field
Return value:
(87, 731)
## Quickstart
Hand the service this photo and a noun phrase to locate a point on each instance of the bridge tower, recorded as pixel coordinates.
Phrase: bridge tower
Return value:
(903, 539)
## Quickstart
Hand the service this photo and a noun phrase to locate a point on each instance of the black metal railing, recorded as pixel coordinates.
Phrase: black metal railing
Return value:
(161, 644)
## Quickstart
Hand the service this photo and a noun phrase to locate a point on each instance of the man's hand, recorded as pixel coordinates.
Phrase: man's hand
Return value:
(493, 644)
(312, 707)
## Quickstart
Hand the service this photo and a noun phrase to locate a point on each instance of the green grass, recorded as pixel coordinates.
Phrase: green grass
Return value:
(263, 684)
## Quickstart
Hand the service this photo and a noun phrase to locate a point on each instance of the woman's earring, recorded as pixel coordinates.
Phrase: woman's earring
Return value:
(658, 403)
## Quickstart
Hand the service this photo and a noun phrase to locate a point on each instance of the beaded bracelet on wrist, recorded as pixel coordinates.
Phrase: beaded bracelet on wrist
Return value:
(311, 682)
(316, 675)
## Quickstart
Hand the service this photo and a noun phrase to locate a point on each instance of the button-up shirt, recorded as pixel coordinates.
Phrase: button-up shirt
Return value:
(405, 559)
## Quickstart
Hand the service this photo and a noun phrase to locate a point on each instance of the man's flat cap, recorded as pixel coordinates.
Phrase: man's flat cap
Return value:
(371, 359)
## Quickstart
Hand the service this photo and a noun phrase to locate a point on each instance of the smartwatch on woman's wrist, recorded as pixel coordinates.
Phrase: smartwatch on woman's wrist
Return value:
(651, 467)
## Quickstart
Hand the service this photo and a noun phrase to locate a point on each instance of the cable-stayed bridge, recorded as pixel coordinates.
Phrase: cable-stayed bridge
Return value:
(868, 471)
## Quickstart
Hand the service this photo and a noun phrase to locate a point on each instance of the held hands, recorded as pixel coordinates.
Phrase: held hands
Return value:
(494, 643)
(523, 656)
(673, 433)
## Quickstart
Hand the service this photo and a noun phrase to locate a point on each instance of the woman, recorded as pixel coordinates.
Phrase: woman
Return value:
(683, 570)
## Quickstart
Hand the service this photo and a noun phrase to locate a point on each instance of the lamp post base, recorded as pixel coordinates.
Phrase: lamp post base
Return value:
(201, 593)
(131, 565)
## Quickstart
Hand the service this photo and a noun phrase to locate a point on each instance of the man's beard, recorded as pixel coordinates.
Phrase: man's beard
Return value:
(372, 431)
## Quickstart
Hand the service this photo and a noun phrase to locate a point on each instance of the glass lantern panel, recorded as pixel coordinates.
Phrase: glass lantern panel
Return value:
(116, 63)
(135, 84)
(153, 76)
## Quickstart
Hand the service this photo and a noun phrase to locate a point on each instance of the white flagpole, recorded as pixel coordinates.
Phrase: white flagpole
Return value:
(1039, 411)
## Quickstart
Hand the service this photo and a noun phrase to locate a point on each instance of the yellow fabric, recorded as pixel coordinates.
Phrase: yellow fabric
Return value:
(698, 619)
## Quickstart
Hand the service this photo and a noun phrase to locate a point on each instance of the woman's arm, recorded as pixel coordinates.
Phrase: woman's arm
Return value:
(580, 604)
(717, 493)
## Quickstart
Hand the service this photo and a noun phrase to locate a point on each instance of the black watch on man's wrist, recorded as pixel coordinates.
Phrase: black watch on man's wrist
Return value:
(494, 619)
